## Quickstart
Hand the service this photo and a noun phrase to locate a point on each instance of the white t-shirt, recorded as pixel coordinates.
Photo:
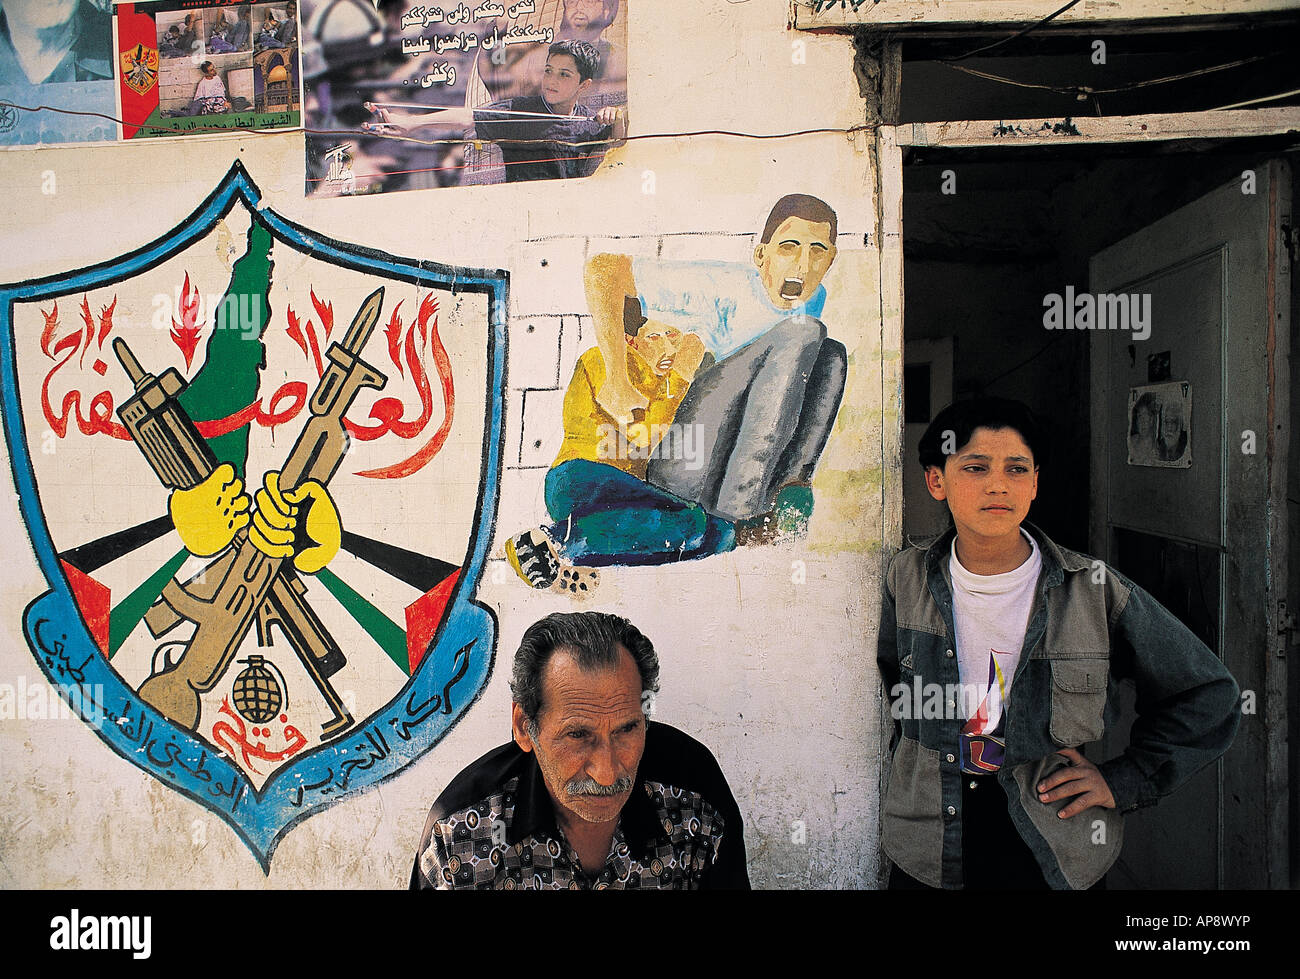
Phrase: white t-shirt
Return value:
(990, 615)
(210, 88)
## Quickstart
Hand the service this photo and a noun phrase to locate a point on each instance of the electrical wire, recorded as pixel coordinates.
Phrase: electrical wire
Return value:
(1085, 90)
(597, 142)
(1020, 33)
(1011, 81)
(1079, 91)
(1012, 370)
(152, 127)
(1266, 98)
(462, 166)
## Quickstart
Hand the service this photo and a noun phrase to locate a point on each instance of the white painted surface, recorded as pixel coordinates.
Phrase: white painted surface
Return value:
(778, 678)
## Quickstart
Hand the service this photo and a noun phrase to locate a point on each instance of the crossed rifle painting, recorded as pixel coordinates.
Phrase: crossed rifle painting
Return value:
(259, 470)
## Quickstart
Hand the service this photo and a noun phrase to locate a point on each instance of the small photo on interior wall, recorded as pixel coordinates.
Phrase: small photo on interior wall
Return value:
(216, 67)
(1160, 425)
(56, 55)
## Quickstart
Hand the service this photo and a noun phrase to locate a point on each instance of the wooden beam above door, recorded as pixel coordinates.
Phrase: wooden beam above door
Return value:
(965, 16)
(1225, 124)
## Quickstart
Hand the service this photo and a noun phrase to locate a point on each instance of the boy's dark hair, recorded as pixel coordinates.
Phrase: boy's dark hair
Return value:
(963, 417)
(812, 209)
(592, 638)
(583, 53)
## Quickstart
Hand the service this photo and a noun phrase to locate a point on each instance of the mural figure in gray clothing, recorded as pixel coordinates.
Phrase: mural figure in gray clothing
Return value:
(760, 416)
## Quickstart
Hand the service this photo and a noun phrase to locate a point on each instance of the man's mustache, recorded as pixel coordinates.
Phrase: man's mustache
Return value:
(589, 786)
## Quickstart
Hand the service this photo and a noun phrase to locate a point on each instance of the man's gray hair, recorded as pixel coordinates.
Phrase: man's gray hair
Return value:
(592, 638)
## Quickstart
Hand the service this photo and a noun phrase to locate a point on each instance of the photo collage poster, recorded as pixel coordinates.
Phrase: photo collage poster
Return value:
(187, 68)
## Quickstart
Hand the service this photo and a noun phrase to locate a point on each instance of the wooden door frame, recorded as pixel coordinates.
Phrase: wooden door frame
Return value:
(1222, 125)
(966, 18)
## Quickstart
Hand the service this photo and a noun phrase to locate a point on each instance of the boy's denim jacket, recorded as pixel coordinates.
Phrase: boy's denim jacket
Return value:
(1089, 627)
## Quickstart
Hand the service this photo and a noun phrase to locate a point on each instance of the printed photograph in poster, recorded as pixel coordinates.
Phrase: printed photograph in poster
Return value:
(188, 69)
(56, 55)
(407, 96)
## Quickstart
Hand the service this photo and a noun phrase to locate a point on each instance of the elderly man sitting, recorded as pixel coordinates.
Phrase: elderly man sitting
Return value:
(589, 795)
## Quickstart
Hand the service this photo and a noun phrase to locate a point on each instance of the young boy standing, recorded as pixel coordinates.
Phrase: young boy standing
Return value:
(997, 648)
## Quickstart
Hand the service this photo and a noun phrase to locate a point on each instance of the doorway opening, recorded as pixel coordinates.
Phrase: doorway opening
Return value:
(993, 239)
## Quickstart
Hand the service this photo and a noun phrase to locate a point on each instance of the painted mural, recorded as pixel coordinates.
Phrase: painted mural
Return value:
(188, 68)
(695, 423)
(260, 509)
(416, 95)
(56, 72)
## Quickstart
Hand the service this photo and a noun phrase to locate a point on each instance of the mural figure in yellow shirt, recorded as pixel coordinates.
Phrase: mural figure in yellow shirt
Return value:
(596, 490)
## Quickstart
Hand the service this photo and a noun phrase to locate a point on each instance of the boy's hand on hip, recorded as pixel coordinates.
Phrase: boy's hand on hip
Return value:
(1081, 780)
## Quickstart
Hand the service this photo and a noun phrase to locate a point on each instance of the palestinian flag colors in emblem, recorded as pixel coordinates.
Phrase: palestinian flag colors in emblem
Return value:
(259, 472)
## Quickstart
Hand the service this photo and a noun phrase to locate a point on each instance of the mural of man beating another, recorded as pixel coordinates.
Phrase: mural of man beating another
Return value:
(597, 490)
(733, 455)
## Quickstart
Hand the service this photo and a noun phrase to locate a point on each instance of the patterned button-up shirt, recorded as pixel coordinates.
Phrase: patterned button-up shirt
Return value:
(494, 827)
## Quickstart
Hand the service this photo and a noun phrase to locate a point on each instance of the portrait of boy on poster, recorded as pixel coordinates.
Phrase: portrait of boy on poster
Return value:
(538, 93)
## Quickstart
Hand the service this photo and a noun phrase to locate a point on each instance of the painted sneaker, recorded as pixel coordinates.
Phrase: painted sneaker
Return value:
(534, 558)
(787, 519)
(537, 561)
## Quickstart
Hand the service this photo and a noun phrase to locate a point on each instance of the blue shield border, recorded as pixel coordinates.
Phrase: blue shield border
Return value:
(448, 680)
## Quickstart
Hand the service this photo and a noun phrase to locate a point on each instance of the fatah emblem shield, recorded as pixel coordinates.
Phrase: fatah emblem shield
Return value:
(139, 68)
(259, 469)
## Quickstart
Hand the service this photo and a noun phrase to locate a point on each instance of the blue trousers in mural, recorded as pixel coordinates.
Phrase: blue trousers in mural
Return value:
(605, 516)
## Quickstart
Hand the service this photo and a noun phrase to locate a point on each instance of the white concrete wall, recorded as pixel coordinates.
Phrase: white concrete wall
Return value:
(767, 653)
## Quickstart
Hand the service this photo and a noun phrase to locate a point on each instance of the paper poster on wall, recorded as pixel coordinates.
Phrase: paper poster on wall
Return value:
(56, 55)
(409, 96)
(188, 68)
(260, 508)
(1160, 425)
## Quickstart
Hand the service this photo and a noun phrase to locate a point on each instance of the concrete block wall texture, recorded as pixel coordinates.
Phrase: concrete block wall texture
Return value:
(767, 652)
